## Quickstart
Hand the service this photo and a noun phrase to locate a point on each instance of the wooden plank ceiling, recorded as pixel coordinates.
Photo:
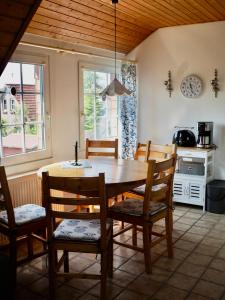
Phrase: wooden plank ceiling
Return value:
(91, 22)
(14, 19)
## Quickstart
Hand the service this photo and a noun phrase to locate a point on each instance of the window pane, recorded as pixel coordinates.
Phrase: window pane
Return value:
(32, 78)
(89, 115)
(12, 140)
(112, 127)
(11, 109)
(89, 81)
(101, 81)
(32, 107)
(101, 128)
(34, 137)
(100, 107)
(11, 78)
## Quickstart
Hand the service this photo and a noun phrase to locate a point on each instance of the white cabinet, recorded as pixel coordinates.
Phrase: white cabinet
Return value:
(195, 167)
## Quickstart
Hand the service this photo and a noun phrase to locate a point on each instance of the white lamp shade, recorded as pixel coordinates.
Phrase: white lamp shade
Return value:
(114, 88)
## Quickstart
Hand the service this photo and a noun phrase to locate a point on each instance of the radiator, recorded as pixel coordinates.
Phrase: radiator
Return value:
(25, 189)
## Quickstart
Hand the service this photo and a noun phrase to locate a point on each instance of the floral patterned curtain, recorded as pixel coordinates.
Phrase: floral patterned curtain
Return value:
(128, 111)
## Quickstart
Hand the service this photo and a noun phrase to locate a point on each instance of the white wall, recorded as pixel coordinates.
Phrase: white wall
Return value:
(192, 49)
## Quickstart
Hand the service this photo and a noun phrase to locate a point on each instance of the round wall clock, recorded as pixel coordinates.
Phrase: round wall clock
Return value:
(191, 86)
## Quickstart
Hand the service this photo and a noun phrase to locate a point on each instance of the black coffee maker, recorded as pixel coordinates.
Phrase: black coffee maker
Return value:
(205, 135)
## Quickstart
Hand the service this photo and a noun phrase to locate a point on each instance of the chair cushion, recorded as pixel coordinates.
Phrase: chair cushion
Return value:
(134, 207)
(155, 188)
(79, 230)
(24, 214)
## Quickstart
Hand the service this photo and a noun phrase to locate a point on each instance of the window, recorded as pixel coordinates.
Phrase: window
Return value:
(100, 117)
(23, 123)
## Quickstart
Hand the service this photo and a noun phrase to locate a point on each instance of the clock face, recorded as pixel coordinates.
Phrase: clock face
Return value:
(191, 86)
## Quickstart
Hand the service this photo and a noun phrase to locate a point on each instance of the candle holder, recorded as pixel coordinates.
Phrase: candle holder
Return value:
(215, 84)
(168, 84)
(75, 163)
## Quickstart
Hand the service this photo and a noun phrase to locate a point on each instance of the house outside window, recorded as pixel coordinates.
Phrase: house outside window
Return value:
(23, 122)
(100, 117)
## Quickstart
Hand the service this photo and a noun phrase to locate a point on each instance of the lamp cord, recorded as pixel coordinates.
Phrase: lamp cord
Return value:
(115, 38)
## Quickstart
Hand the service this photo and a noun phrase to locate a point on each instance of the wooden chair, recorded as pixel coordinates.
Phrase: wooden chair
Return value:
(22, 222)
(143, 151)
(158, 152)
(101, 148)
(78, 232)
(156, 205)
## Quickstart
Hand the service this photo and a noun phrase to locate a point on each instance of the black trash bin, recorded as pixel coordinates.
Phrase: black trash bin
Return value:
(215, 196)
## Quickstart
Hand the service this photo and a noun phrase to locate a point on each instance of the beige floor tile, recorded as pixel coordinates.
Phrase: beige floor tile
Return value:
(129, 295)
(118, 261)
(191, 269)
(192, 237)
(124, 252)
(214, 276)
(41, 286)
(67, 293)
(179, 253)
(205, 224)
(212, 242)
(198, 230)
(185, 245)
(78, 264)
(221, 253)
(133, 267)
(122, 278)
(158, 274)
(193, 215)
(189, 221)
(145, 285)
(112, 290)
(169, 264)
(206, 250)
(182, 281)
(27, 275)
(218, 264)
(168, 293)
(209, 289)
(82, 284)
(219, 226)
(88, 297)
(199, 259)
(193, 296)
(214, 233)
(180, 226)
(22, 294)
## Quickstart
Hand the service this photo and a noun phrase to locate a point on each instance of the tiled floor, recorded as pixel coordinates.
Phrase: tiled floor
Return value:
(196, 272)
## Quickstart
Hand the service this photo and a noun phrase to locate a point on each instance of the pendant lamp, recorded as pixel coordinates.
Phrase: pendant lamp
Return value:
(115, 87)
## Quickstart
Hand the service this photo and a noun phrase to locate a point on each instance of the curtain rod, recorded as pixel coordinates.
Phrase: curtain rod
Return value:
(71, 51)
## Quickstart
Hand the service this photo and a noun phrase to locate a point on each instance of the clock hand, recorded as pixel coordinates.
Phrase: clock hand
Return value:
(191, 88)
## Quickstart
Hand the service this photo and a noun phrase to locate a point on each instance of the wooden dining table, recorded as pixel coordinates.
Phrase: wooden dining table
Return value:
(121, 175)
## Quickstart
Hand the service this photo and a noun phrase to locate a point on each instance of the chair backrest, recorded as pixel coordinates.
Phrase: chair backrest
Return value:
(162, 151)
(102, 148)
(159, 183)
(5, 198)
(92, 190)
(142, 151)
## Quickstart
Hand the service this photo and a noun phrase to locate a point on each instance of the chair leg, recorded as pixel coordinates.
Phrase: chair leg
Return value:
(103, 275)
(51, 271)
(169, 229)
(110, 257)
(147, 230)
(134, 235)
(13, 264)
(66, 261)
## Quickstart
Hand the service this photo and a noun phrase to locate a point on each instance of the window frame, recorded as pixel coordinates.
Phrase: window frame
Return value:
(45, 153)
(109, 67)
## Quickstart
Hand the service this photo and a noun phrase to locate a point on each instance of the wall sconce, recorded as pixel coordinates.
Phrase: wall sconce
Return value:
(214, 83)
(168, 84)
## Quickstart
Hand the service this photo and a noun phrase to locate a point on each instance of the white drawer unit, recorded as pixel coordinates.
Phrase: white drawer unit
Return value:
(195, 167)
